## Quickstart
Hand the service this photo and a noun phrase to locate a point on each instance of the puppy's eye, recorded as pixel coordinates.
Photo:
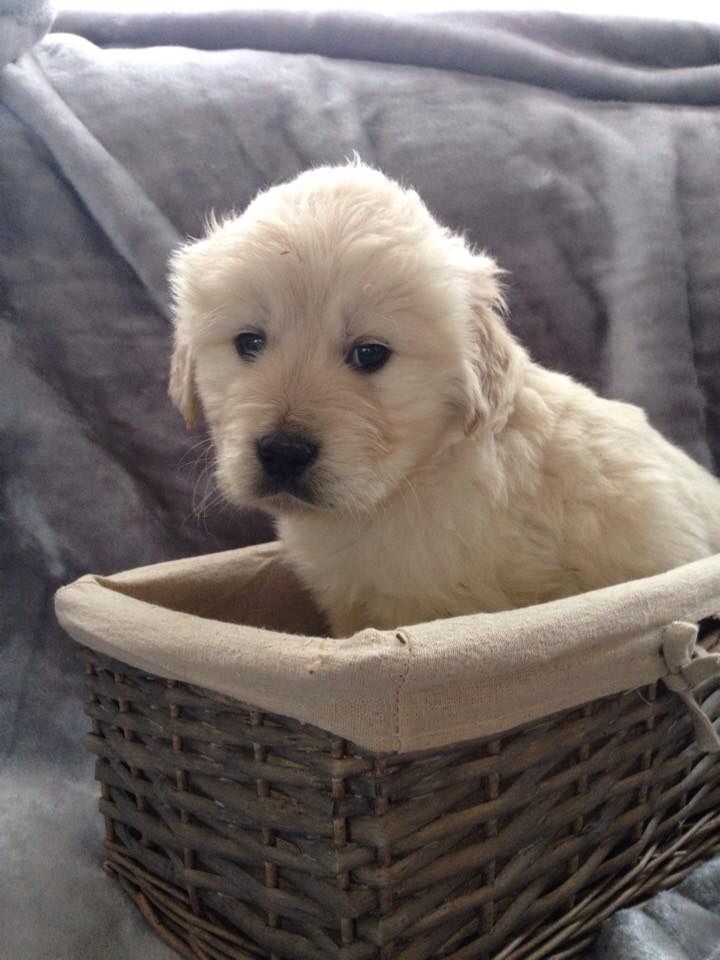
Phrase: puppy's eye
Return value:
(249, 345)
(369, 357)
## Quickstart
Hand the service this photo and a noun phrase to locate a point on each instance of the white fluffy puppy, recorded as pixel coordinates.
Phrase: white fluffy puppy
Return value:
(351, 360)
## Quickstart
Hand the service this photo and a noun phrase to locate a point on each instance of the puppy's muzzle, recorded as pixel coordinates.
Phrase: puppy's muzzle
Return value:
(285, 456)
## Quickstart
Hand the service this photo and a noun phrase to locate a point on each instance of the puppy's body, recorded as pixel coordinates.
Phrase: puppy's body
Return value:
(575, 493)
(457, 476)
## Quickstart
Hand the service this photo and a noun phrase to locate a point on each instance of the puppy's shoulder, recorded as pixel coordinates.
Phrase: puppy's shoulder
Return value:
(574, 402)
(623, 412)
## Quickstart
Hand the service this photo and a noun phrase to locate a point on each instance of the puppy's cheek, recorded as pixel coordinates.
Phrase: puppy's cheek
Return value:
(359, 487)
(236, 471)
(228, 482)
(363, 464)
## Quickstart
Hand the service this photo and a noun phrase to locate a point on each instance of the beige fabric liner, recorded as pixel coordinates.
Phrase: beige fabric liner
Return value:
(239, 623)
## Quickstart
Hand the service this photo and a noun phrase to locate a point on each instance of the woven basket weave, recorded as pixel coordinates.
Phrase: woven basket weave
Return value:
(246, 835)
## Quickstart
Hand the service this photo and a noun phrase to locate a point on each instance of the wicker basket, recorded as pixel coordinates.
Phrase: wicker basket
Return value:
(243, 833)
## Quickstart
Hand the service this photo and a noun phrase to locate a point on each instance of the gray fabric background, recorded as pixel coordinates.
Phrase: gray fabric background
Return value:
(584, 154)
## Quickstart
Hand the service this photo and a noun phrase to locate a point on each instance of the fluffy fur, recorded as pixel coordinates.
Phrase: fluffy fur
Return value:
(461, 476)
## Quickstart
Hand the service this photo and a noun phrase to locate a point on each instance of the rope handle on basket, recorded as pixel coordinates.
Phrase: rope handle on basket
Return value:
(690, 665)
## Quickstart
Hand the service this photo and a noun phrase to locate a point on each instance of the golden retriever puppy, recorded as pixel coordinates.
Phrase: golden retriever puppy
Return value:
(358, 380)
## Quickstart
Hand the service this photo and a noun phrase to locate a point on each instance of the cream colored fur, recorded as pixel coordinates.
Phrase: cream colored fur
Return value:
(461, 476)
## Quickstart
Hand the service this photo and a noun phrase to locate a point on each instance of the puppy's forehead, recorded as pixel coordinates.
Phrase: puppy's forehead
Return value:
(340, 251)
(347, 284)
(370, 244)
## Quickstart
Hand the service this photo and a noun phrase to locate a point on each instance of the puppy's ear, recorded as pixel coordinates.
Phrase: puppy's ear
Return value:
(495, 359)
(182, 382)
(181, 388)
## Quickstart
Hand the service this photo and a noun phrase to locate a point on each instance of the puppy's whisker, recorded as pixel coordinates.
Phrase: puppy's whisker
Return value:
(198, 511)
(408, 483)
(206, 477)
(205, 447)
(218, 500)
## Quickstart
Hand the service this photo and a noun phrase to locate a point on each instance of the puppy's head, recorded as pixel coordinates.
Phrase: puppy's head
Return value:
(337, 339)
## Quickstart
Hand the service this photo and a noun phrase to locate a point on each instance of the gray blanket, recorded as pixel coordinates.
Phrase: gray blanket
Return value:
(583, 153)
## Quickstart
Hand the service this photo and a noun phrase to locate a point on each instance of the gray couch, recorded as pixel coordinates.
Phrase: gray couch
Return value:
(584, 154)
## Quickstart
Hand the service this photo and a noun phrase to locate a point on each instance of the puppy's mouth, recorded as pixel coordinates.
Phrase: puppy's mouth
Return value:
(286, 495)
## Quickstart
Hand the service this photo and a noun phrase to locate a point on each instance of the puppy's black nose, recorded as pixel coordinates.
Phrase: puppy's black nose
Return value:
(285, 456)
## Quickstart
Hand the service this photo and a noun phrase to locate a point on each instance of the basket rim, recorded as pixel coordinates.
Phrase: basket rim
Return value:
(415, 688)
